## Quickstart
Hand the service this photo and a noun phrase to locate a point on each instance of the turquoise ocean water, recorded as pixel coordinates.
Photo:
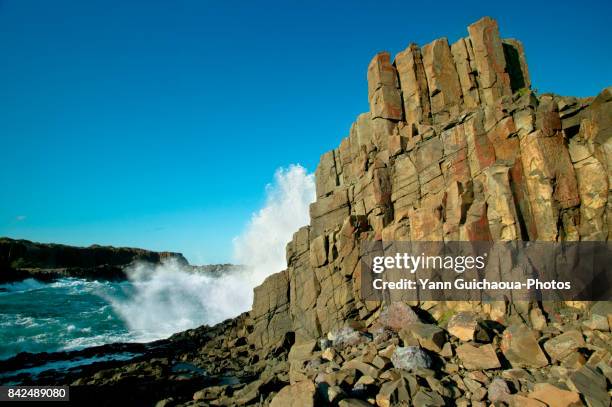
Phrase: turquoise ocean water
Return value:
(64, 315)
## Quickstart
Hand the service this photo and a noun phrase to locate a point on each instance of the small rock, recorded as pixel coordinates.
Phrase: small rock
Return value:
(447, 350)
(346, 336)
(498, 390)
(428, 336)
(380, 361)
(554, 396)
(397, 316)
(365, 380)
(463, 325)
(363, 367)
(427, 398)
(479, 394)
(387, 352)
(563, 345)
(329, 354)
(592, 384)
(517, 400)
(300, 394)
(348, 403)
(165, 402)
(596, 322)
(481, 358)
(387, 394)
(410, 358)
(538, 321)
(574, 360)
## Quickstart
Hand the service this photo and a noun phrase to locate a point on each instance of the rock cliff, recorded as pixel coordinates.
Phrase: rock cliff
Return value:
(456, 146)
(21, 259)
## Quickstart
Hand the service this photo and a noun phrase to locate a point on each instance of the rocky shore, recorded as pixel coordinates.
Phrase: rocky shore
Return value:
(456, 146)
(21, 259)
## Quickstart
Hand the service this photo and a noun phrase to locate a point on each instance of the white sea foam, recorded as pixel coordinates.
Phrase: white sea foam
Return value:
(26, 285)
(167, 298)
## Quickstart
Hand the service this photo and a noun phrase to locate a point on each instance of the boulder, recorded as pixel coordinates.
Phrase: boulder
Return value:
(410, 358)
(592, 385)
(520, 347)
(554, 396)
(498, 390)
(397, 316)
(301, 394)
(481, 358)
(563, 345)
(429, 336)
(463, 325)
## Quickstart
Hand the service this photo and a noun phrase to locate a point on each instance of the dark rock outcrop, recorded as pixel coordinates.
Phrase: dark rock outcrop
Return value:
(21, 259)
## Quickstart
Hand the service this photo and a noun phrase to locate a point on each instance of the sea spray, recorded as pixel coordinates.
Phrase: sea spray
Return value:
(168, 298)
(262, 245)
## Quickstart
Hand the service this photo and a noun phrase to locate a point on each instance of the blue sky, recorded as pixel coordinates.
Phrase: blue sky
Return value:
(159, 123)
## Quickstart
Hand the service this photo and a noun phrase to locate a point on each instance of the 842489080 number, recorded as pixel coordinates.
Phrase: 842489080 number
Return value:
(34, 393)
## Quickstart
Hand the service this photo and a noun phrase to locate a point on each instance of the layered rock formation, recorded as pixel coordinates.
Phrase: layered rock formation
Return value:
(21, 259)
(456, 146)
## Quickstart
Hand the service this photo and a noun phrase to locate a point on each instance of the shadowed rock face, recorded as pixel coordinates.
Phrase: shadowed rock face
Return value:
(21, 259)
(456, 146)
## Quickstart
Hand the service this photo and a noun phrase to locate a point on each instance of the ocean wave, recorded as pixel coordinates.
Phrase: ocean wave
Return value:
(97, 340)
(26, 285)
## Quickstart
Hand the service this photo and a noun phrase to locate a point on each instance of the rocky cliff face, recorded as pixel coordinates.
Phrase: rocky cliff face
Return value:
(456, 146)
(21, 259)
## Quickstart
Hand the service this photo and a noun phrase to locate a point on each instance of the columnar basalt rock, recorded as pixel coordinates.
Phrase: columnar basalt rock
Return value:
(455, 147)
(442, 79)
(489, 60)
(413, 81)
(383, 88)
